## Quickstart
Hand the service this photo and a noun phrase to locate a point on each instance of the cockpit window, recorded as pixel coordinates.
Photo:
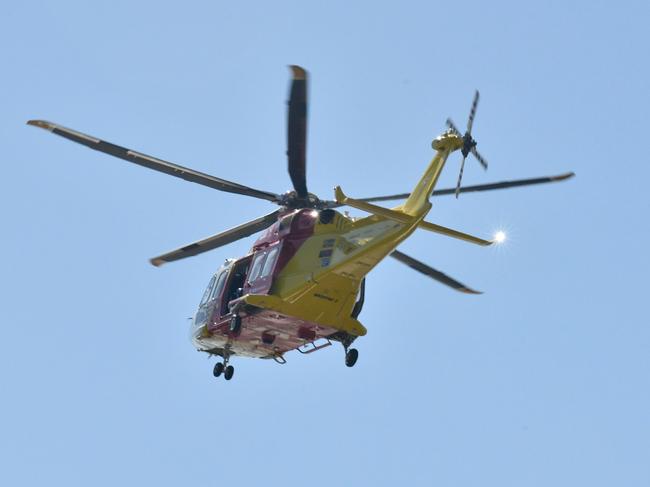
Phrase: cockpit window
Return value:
(206, 294)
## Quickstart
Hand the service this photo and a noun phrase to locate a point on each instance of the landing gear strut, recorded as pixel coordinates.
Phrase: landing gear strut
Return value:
(351, 354)
(235, 324)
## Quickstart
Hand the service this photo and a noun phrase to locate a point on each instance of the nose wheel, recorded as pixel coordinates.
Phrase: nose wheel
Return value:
(223, 368)
(218, 369)
(229, 372)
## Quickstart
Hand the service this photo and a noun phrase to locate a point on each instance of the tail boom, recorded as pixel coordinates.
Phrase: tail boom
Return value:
(418, 201)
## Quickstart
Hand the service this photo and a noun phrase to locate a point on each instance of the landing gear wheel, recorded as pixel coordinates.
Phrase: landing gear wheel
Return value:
(351, 357)
(218, 369)
(229, 372)
(235, 325)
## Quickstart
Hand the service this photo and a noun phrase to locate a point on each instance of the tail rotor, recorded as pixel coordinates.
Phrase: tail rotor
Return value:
(469, 144)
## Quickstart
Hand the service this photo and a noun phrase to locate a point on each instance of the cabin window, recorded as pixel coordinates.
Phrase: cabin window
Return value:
(270, 262)
(206, 294)
(256, 267)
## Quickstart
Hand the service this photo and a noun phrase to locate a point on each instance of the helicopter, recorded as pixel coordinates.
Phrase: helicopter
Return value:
(302, 284)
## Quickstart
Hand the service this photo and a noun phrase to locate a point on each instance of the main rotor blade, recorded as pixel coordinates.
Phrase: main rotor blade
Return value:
(476, 188)
(297, 131)
(505, 184)
(154, 163)
(218, 240)
(472, 112)
(432, 273)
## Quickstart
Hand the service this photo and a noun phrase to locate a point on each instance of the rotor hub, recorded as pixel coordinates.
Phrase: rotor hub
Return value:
(292, 200)
(468, 144)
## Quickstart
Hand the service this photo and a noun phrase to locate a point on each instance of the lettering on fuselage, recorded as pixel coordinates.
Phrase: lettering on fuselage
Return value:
(334, 250)
(325, 254)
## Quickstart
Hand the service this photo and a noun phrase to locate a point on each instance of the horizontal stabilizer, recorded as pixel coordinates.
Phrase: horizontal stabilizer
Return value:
(406, 219)
(432, 227)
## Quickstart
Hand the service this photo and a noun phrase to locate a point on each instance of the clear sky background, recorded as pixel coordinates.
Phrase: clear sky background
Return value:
(543, 380)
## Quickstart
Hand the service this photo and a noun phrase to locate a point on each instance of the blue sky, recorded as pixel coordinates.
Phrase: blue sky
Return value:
(543, 380)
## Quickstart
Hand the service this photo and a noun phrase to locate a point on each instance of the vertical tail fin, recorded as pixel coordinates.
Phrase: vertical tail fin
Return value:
(418, 201)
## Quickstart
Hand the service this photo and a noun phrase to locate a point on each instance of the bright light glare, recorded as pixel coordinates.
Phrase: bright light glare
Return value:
(500, 237)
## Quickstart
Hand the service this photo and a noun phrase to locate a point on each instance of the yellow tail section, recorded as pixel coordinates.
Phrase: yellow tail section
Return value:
(418, 202)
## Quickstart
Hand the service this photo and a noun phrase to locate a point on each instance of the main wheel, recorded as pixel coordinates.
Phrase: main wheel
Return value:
(351, 357)
(229, 372)
(218, 369)
(235, 324)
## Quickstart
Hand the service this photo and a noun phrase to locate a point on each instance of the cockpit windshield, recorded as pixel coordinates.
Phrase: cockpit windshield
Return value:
(221, 281)
(215, 286)
(208, 290)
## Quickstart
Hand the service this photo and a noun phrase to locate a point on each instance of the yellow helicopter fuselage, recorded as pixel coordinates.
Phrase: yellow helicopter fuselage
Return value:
(320, 259)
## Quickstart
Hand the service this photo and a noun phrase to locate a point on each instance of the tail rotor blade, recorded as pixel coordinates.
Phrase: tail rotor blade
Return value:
(480, 158)
(472, 113)
(469, 144)
(451, 125)
(460, 177)
(297, 131)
